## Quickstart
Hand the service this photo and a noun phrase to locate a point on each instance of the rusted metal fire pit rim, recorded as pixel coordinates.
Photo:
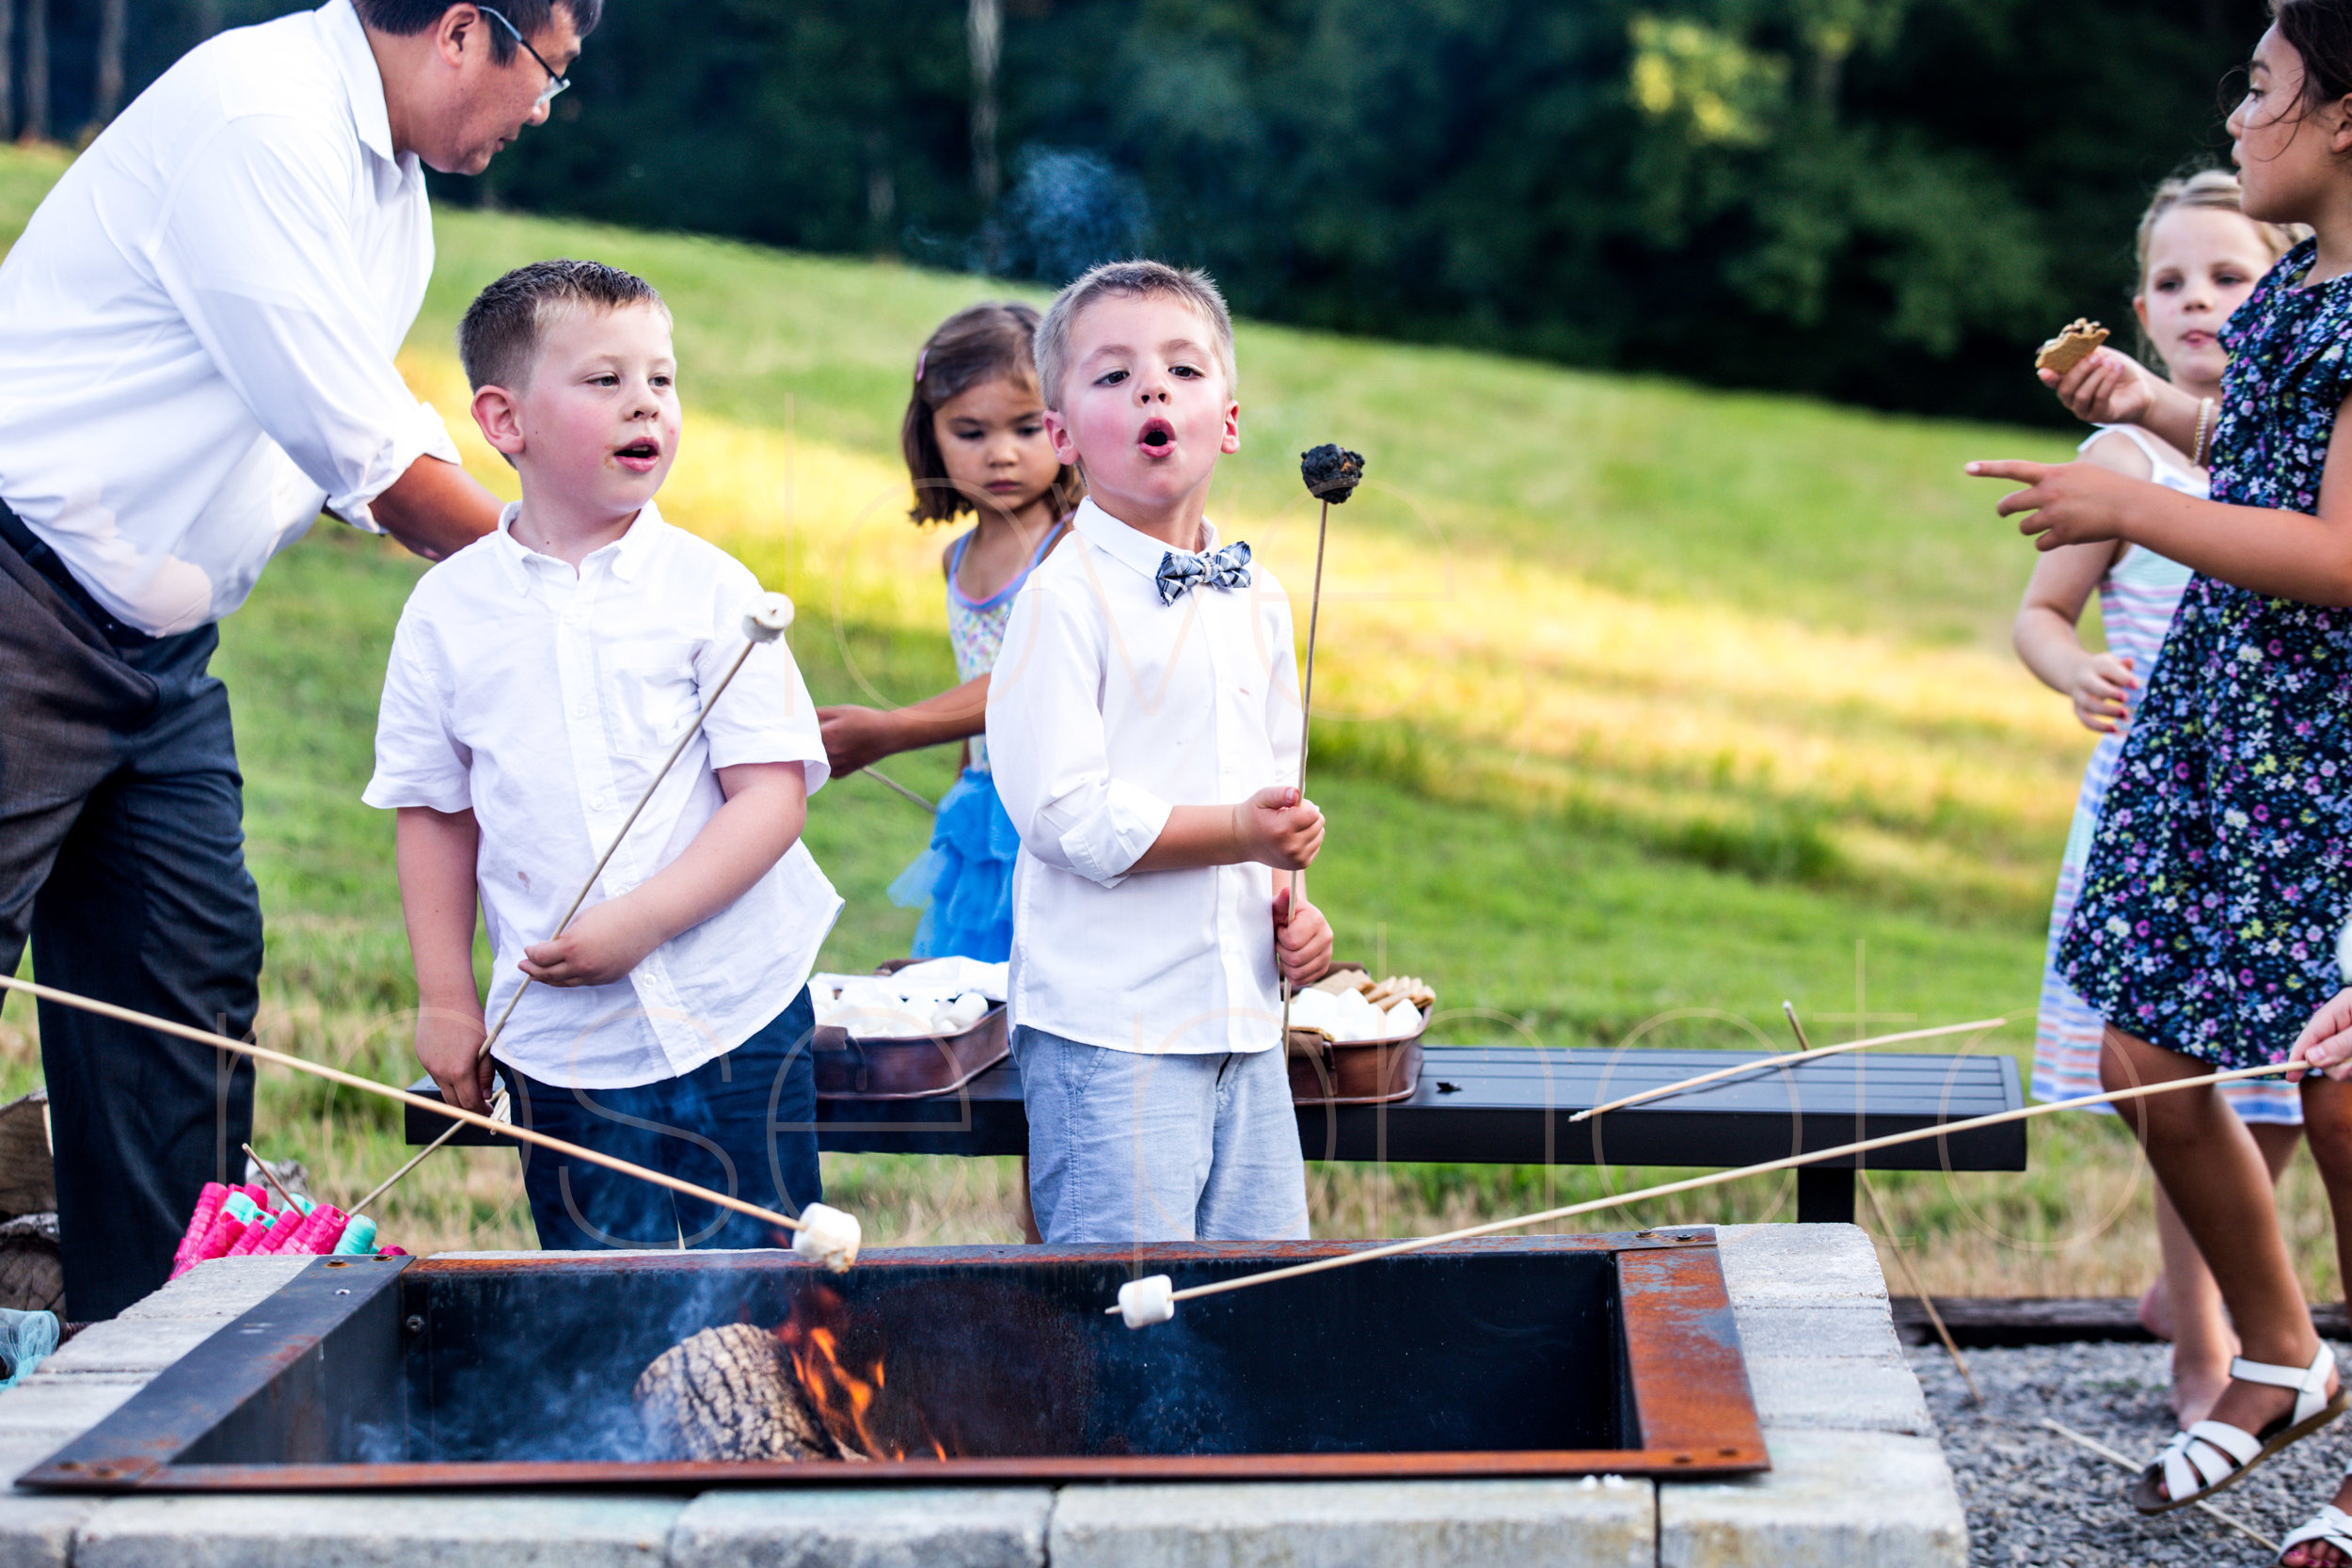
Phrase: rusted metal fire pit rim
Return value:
(688, 1476)
(1686, 1382)
(1146, 1256)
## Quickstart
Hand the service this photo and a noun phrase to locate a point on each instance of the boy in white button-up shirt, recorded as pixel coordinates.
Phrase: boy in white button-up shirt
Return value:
(1143, 721)
(539, 679)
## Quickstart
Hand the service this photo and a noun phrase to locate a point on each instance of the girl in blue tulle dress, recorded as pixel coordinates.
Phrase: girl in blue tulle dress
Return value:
(975, 442)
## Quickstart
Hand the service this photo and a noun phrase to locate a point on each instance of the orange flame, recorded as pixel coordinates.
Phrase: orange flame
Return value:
(843, 1396)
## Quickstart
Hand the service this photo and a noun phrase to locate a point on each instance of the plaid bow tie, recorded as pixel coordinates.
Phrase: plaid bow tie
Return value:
(1179, 575)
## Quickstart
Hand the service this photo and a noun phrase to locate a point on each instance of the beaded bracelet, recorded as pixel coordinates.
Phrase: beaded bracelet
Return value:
(2204, 429)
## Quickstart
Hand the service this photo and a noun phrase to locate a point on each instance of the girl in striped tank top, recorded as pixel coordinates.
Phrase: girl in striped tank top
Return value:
(2199, 258)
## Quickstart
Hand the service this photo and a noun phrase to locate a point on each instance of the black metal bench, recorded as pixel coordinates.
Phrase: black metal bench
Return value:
(1510, 1105)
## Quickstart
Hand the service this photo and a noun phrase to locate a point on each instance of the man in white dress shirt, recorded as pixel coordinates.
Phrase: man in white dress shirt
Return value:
(196, 333)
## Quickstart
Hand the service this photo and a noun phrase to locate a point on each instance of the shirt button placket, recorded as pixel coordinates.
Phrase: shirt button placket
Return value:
(1226, 881)
(576, 666)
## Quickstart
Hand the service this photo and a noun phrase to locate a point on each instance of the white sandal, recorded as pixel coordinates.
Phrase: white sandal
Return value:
(2214, 1456)
(2331, 1526)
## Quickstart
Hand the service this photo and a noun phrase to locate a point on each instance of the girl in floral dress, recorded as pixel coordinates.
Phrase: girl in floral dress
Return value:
(974, 438)
(2200, 256)
(2217, 879)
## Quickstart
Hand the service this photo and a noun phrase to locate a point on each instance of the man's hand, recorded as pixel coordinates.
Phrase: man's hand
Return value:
(601, 945)
(2325, 1042)
(1280, 828)
(2102, 689)
(449, 1044)
(855, 736)
(2066, 503)
(1302, 939)
(2108, 387)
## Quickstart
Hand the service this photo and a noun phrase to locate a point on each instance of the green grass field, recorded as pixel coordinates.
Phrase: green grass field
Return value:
(1645, 700)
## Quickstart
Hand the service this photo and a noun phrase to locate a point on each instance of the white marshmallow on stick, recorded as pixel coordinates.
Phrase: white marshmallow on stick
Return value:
(765, 621)
(828, 1238)
(368, 1086)
(1147, 1301)
(1713, 1178)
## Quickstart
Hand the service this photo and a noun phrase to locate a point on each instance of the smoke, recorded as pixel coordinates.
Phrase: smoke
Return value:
(1069, 209)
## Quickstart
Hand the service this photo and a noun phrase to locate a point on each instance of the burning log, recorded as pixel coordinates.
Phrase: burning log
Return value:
(729, 1393)
(816, 1387)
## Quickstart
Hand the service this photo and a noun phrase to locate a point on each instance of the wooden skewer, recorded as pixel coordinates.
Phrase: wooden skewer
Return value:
(1791, 1059)
(578, 899)
(269, 1176)
(1717, 1179)
(1902, 1261)
(1306, 712)
(888, 782)
(353, 1080)
(501, 1112)
(2134, 1465)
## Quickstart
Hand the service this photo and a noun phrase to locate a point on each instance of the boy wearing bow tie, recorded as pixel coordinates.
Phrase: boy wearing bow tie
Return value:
(1144, 725)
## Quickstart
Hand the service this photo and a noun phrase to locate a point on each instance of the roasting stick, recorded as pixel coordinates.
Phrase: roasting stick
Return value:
(1902, 1260)
(1791, 1059)
(1331, 473)
(1150, 1300)
(270, 1176)
(2135, 1465)
(501, 1111)
(764, 622)
(890, 784)
(811, 1224)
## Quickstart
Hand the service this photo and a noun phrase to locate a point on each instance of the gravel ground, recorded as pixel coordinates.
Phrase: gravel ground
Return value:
(2036, 1499)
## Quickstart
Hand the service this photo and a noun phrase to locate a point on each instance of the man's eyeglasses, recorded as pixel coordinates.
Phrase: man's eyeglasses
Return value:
(555, 84)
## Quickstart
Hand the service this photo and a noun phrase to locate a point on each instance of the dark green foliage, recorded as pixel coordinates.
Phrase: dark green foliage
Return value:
(1884, 201)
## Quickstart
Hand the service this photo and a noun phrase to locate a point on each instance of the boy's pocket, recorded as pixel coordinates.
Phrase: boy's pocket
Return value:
(649, 695)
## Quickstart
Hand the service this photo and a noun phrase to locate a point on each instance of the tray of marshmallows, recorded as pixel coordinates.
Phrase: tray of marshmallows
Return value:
(1355, 1040)
(909, 1030)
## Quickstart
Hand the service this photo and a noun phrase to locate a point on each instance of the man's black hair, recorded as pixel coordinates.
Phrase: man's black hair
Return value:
(407, 18)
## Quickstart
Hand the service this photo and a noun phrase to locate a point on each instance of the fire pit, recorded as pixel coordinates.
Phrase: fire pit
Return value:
(1539, 1355)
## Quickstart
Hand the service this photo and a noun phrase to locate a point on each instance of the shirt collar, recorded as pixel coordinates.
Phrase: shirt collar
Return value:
(1129, 546)
(626, 556)
(347, 42)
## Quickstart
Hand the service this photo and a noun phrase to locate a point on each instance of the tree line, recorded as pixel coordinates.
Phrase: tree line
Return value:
(1880, 202)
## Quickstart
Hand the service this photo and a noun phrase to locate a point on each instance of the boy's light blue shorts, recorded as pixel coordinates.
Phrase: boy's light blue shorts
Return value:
(1126, 1147)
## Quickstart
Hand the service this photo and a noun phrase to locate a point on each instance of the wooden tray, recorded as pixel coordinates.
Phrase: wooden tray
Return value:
(1325, 1071)
(915, 1067)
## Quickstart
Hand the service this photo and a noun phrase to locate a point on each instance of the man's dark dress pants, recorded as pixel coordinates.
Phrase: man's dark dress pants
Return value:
(123, 857)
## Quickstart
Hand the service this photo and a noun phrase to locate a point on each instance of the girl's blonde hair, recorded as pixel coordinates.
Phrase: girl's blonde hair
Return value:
(2218, 189)
(2213, 188)
(985, 343)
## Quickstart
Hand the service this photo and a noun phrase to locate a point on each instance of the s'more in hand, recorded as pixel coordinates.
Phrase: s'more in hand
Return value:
(2075, 343)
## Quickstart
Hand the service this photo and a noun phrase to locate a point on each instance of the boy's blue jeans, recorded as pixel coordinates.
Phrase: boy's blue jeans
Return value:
(1126, 1146)
(743, 1125)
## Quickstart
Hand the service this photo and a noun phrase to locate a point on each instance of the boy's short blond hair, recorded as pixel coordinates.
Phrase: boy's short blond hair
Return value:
(1132, 280)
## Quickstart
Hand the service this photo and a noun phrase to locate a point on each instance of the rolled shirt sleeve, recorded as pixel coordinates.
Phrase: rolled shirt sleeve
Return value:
(1045, 740)
(767, 715)
(271, 285)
